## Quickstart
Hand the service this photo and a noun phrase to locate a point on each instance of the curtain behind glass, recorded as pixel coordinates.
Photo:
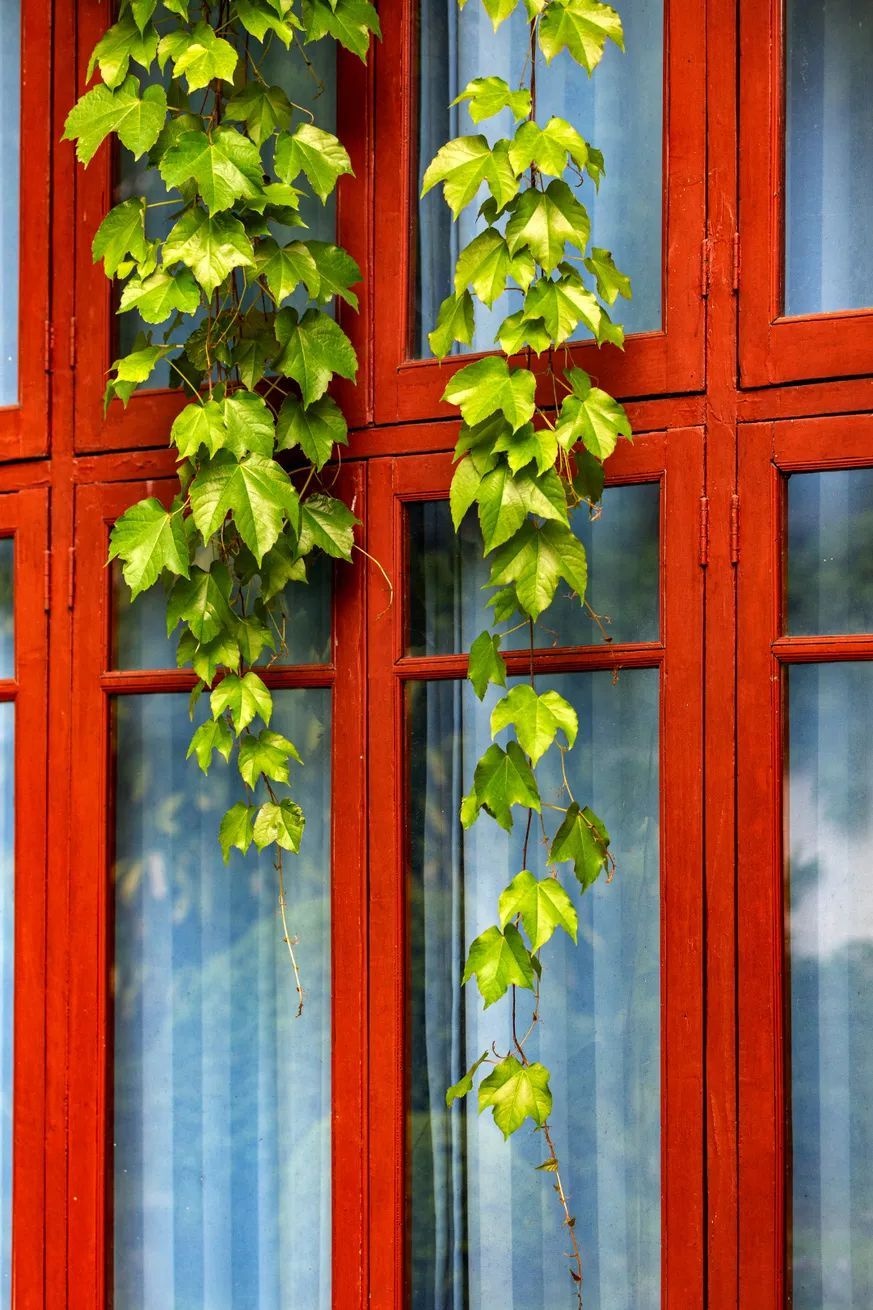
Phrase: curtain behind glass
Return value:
(222, 1097)
(829, 155)
(619, 110)
(484, 1227)
(10, 155)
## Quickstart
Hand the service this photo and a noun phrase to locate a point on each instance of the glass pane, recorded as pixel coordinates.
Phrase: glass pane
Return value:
(828, 154)
(448, 609)
(7, 987)
(619, 110)
(481, 1218)
(139, 629)
(830, 906)
(10, 154)
(313, 89)
(7, 644)
(222, 1097)
(830, 552)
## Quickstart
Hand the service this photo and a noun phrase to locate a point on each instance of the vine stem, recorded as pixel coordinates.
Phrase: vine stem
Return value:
(298, 986)
(569, 1222)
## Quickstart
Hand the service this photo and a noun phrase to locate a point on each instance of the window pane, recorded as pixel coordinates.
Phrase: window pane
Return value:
(480, 1217)
(7, 645)
(448, 609)
(619, 110)
(222, 1097)
(830, 906)
(139, 628)
(829, 155)
(7, 987)
(830, 552)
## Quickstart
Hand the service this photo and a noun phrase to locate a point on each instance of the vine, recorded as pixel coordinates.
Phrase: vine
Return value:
(530, 453)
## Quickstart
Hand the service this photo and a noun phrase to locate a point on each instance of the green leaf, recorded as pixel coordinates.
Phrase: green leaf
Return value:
(582, 28)
(591, 416)
(543, 907)
(546, 222)
(243, 698)
(466, 481)
(313, 348)
(583, 839)
(503, 778)
(318, 154)
(562, 305)
(133, 369)
(249, 425)
(485, 264)
(506, 498)
(463, 165)
(487, 96)
(121, 43)
(269, 754)
(337, 272)
(498, 10)
(211, 245)
(142, 11)
(256, 491)
(534, 561)
(454, 323)
(465, 1085)
(258, 18)
(148, 539)
(327, 523)
(263, 109)
(202, 602)
(517, 332)
(316, 429)
(285, 267)
(237, 827)
(486, 664)
(207, 658)
(213, 735)
(499, 960)
(548, 147)
(282, 824)
(610, 282)
(588, 480)
(279, 567)
(199, 424)
(136, 120)
(156, 297)
(526, 445)
(489, 385)
(536, 719)
(349, 21)
(121, 236)
(199, 55)
(226, 166)
(515, 1092)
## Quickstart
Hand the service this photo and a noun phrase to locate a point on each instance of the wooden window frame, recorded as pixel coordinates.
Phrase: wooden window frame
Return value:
(676, 460)
(775, 348)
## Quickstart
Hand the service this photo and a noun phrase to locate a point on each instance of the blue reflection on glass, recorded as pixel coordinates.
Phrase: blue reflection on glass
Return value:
(10, 153)
(7, 987)
(830, 551)
(7, 608)
(222, 1097)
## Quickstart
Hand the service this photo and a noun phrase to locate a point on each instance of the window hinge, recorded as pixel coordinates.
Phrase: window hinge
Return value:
(72, 343)
(735, 529)
(736, 261)
(706, 267)
(704, 531)
(71, 585)
(47, 581)
(48, 345)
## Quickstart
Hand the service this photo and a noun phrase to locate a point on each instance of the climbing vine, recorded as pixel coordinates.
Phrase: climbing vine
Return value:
(234, 298)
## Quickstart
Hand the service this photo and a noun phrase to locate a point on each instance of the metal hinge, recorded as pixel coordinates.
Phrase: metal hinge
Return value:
(736, 261)
(71, 586)
(47, 581)
(72, 343)
(703, 540)
(48, 345)
(735, 529)
(706, 267)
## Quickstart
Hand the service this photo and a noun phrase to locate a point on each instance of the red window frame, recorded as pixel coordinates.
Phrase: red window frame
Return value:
(767, 452)
(89, 1072)
(676, 460)
(653, 363)
(773, 347)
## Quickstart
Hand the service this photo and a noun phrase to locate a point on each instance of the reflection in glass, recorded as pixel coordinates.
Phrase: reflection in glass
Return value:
(7, 987)
(484, 1227)
(222, 1097)
(828, 154)
(7, 598)
(448, 609)
(10, 153)
(830, 927)
(139, 628)
(830, 552)
(619, 110)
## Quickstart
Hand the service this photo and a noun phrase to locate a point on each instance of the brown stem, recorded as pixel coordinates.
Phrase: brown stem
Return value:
(575, 1257)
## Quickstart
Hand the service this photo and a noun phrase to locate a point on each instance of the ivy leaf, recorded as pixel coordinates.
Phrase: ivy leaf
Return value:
(506, 498)
(533, 562)
(269, 754)
(222, 652)
(499, 960)
(243, 698)
(121, 236)
(349, 21)
(465, 1085)
(486, 664)
(547, 221)
(121, 43)
(199, 55)
(562, 305)
(484, 264)
(592, 416)
(249, 425)
(583, 839)
(316, 429)
(237, 828)
(463, 165)
(213, 735)
(543, 907)
(588, 480)
(487, 96)
(136, 120)
(282, 824)
(318, 154)
(582, 28)
(142, 11)
(285, 267)
(199, 424)
(202, 602)
(536, 719)
(211, 245)
(279, 567)
(526, 445)
(518, 332)
(337, 272)
(313, 348)
(515, 1092)
(503, 778)
(226, 166)
(327, 523)
(256, 491)
(259, 19)
(488, 385)
(148, 539)
(498, 10)
(263, 109)
(610, 282)
(454, 323)
(466, 481)
(133, 369)
(548, 147)
(156, 297)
